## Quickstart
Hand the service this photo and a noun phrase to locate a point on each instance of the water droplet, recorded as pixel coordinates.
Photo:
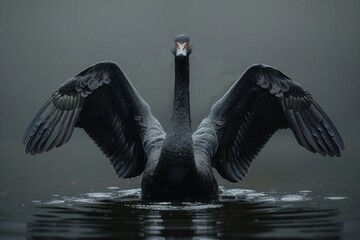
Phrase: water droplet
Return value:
(292, 198)
(335, 198)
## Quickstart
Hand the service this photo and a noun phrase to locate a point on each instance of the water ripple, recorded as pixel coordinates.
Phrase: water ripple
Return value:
(119, 214)
(135, 194)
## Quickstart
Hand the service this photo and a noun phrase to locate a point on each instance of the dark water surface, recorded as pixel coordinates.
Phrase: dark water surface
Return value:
(121, 214)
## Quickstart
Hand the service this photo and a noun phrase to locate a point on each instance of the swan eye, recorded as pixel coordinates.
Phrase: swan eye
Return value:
(181, 49)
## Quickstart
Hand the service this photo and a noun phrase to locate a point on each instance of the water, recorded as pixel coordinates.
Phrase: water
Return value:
(115, 213)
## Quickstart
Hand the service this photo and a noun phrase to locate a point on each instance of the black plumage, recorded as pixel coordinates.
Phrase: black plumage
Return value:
(103, 102)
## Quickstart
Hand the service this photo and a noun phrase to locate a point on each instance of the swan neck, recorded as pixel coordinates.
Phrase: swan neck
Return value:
(181, 120)
(178, 145)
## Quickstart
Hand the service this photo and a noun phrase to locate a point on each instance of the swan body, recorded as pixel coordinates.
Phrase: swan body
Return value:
(178, 164)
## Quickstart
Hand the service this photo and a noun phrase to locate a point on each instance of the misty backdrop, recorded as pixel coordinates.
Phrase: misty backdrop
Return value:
(43, 43)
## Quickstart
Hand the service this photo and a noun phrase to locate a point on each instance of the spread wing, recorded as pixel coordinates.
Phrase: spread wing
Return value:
(103, 102)
(259, 103)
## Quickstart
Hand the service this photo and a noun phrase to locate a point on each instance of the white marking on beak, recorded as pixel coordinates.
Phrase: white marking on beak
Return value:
(181, 49)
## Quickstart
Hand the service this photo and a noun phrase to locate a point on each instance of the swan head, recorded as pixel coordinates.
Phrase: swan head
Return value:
(181, 46)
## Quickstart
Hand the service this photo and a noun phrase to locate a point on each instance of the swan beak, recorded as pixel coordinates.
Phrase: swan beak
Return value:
(181, 49)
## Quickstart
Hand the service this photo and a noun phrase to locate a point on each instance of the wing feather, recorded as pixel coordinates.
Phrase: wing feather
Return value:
(259, 103)
(103, 102)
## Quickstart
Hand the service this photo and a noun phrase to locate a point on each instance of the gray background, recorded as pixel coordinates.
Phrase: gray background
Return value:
(43, 43)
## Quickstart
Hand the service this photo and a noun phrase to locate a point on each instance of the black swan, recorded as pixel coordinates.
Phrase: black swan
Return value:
(178, 164)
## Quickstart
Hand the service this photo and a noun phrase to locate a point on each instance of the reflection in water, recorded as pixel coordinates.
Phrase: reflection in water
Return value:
(237, 214)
